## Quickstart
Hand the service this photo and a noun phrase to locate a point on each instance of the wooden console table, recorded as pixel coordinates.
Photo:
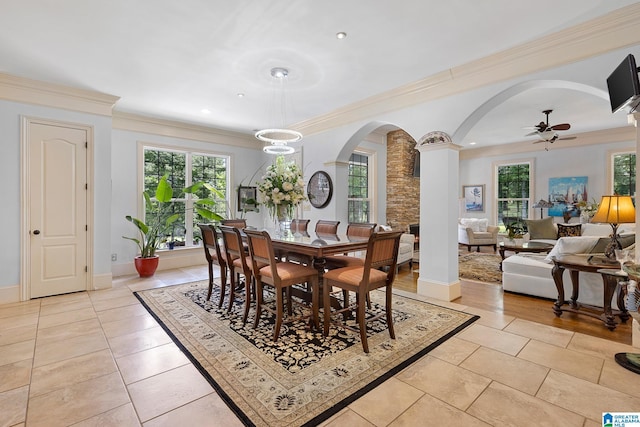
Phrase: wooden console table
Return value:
(610, 278)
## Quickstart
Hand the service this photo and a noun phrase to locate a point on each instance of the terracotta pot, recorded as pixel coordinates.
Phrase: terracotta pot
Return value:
(146, 267)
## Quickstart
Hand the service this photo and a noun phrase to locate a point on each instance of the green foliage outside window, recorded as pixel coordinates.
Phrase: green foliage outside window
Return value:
(624, 174)
(358, 203)
(513, 193)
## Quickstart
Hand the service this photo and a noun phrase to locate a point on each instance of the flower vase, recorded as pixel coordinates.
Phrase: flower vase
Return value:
(282, 220)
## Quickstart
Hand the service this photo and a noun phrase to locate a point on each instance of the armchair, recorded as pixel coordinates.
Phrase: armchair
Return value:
(476, 232)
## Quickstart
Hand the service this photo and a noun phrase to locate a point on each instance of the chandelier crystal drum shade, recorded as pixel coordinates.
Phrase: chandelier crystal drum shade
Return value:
(276, 139)
(615, 210)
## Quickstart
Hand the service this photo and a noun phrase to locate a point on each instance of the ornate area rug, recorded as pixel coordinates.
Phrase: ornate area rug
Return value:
(482, 267)
(303, 378)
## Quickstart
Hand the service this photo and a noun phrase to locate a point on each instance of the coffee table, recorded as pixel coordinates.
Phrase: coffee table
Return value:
(533, 247)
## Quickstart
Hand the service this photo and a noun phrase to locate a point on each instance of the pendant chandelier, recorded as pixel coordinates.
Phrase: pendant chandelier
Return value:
(276, 139)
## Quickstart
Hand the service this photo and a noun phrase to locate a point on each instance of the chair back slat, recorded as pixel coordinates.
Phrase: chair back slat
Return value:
(299, 225)
(210, 241)
(232, 241)
(360, 229)
(382, 251)
(237, 223)
(260, 249)
(327, 227)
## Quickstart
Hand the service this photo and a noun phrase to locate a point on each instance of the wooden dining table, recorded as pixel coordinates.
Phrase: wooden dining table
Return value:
(317, 246)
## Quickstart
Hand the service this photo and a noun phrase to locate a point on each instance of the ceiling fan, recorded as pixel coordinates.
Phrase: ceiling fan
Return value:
(548, 133)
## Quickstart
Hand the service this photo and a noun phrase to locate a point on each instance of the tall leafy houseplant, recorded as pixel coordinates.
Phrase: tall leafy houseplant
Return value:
(158, 223)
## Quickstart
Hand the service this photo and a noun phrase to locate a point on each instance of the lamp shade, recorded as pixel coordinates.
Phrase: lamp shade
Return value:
(615, 210)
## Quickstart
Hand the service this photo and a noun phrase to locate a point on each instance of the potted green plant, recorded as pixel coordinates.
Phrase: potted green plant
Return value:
(153, 230)
(516, 230)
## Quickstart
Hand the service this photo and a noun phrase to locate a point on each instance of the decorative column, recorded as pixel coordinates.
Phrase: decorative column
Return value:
(439, 192)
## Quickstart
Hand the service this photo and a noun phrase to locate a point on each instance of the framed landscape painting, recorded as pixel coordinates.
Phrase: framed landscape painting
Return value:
(473, 198)
(565, 193)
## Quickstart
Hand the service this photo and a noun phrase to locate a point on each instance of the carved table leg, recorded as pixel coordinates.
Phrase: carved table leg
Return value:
(610, 283)
(575, 282)
(624, 314)
(557, 272)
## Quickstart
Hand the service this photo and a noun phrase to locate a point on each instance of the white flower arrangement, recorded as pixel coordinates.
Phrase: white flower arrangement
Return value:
(589, 209)
(282, 187)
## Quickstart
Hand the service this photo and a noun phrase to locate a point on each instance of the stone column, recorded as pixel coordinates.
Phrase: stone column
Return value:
(439, 191)
(403, 207)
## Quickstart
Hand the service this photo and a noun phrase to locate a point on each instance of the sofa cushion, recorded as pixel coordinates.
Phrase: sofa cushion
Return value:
(572, 245)
(476, 224)
(566, 230)
(541, 228)
(599, 230)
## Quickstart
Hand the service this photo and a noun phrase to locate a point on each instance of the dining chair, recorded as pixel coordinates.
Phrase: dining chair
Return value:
(378, 271)
(238, 263)
(281, 276)
(358, 230)
(236, 222)
(299, 226)
(214, 255)
(327, 227)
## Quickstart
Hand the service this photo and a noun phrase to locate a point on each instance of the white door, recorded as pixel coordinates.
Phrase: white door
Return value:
(57, 209)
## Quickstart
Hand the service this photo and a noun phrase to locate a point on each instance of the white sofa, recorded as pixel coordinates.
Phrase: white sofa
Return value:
(530, 274)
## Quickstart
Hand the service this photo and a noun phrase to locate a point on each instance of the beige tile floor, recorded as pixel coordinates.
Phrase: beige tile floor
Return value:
(99, 358)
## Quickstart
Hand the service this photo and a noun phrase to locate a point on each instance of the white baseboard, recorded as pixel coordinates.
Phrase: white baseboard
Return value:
(9, 294)
(169, 260)
(441, 291)
(102, 281)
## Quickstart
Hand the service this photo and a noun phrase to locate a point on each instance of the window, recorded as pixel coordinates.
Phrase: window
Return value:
(624, 173)
(184, 168)
(513, 190)
(359, 202)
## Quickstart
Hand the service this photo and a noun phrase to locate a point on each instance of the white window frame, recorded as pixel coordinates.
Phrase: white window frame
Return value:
(371, 183)
(189, 152)
(530, 199)
(611, 155)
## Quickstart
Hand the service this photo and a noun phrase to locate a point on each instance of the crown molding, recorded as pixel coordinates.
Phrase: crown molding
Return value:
(170, 128)
(607, 33)
(20, 89)
(603, 136)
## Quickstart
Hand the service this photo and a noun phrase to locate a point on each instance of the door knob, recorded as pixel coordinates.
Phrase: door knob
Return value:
(36, 231)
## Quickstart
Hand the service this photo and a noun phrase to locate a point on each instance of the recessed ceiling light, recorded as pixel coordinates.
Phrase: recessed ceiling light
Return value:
(240, 95)
(205, 111)
(341, 35)
(472, 143)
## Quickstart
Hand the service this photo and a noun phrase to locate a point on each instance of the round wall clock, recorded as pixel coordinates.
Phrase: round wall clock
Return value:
(320, 189)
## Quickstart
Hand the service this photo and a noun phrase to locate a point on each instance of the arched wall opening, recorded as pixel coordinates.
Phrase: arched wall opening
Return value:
(517, 89)
(401, 191)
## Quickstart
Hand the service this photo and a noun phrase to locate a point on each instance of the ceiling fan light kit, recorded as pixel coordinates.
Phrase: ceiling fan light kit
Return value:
(547, 133)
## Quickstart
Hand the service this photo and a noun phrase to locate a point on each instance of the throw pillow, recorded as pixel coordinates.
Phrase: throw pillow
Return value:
(569, 230)
(483, 223)
(541, 228)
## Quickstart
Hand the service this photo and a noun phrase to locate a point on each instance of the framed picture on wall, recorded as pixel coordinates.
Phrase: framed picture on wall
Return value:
(473, 196)
(247, 199)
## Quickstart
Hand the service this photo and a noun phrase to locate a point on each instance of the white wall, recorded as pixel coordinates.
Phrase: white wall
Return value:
(590, 161)
(125, 170)
(10, 161)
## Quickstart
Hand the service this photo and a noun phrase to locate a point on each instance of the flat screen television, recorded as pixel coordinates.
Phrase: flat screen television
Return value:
(624, 86)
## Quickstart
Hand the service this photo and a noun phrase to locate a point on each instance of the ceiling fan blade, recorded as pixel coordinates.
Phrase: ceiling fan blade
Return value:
(567, 137)
(561, 126)
(539, 141)
(532, 133)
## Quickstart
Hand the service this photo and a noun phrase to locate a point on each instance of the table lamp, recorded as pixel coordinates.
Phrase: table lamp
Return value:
(615, 210)
(542, 204)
